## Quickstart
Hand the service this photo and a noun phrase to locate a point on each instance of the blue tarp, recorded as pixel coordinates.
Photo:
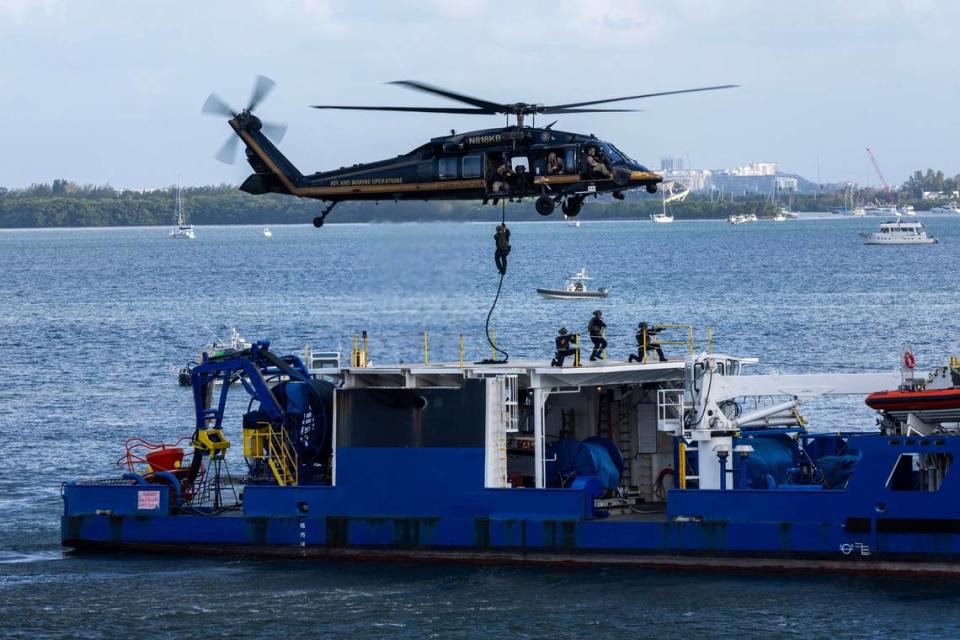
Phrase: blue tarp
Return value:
(594, 457)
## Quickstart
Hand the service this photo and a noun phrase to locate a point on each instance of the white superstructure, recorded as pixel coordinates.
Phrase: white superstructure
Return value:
(900, 232)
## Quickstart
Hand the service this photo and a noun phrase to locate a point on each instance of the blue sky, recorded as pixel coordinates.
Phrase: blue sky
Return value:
(110, 91)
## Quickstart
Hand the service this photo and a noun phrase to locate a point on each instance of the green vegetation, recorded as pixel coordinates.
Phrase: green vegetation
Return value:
(66, 204)
(929, 181)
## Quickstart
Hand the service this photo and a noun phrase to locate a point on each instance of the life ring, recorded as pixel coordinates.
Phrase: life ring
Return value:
(909, 360)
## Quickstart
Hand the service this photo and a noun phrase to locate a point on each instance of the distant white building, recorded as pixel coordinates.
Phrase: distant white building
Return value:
(693, 179)
(755, 169)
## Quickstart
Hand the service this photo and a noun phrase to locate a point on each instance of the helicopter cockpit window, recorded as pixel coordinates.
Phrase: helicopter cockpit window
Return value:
(472, 166)
(622, 154)
(610, 153)
(448, 167)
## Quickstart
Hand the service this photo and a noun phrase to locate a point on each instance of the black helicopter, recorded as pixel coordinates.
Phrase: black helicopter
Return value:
(512, 162)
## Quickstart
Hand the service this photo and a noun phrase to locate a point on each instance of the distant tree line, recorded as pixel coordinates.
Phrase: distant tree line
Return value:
(932, 180)
(67, 204)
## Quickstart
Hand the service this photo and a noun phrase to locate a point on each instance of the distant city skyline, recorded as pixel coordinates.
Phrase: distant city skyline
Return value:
(110, 92)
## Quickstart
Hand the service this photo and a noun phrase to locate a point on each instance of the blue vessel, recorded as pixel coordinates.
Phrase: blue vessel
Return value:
(681, 463)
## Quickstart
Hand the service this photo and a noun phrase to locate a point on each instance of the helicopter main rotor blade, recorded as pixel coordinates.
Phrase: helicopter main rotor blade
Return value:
(485, 105)
(410, 109)
(215, 105)
(274, 130)
(552, 108)
(228, 152)
(262, 86)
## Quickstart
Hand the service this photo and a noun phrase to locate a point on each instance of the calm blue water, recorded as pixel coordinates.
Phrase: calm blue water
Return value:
(92, 321)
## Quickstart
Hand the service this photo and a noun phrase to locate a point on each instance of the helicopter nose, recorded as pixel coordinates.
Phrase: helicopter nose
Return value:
(645, 177)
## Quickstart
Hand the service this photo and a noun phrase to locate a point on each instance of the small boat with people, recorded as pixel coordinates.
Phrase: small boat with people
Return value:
(899, 232)
(576, 288)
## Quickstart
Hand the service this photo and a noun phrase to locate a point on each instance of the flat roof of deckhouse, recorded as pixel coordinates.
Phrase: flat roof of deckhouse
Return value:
(539, 372)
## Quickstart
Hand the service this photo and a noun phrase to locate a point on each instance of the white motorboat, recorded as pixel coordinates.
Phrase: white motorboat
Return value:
(950, 207)
(575, 288)
(899, 232)
(742, 218)
(182, 231)
(882, 210)
(216, 348)
(267, 233)
(907, 210)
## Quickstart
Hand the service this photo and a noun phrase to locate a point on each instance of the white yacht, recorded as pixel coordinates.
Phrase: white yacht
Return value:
(267, 233)
(907, 210)
(882, 210)
(182, 231)
(661, 218)
(899, 232)
(950, 207)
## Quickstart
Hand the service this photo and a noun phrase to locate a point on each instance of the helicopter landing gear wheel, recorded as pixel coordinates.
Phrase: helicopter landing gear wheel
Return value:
(318, 221)
(545, 205)
(651, 188)
(571, 206)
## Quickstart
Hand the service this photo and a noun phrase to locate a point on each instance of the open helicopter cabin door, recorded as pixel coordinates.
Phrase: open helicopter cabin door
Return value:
(556, 161)
(506, 174)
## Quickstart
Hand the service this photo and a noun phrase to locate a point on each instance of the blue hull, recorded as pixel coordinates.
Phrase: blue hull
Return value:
(439, 509)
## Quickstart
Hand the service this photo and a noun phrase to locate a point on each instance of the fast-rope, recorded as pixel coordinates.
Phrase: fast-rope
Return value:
(503, 272)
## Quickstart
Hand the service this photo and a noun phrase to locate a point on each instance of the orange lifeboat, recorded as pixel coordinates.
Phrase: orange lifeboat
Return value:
(915, 400)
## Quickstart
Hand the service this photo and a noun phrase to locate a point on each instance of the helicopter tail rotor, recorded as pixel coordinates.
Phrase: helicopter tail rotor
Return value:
(217, 106)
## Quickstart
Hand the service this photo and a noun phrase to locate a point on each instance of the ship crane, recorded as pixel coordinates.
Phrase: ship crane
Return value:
(883, 181)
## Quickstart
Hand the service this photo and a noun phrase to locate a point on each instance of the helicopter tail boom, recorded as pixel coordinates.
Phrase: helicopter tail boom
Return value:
(274, 172)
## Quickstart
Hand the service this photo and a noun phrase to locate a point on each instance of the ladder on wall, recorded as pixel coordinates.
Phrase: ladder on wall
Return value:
(503, 417)
(568, 423)
(605, 416)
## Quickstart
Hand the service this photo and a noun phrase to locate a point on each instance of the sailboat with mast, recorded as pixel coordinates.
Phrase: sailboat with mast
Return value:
(183, 230)
(669, 192)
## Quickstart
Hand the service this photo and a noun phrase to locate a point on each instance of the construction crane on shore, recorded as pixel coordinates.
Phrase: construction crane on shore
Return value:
(883, 181)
